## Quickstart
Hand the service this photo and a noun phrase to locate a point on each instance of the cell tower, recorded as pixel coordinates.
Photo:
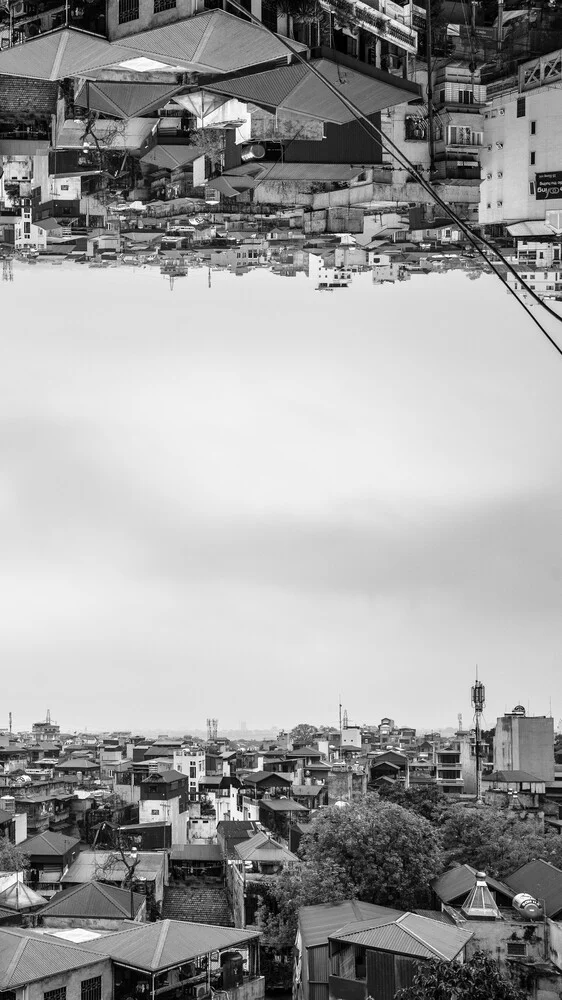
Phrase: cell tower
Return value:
(478, 701)
(212, 729)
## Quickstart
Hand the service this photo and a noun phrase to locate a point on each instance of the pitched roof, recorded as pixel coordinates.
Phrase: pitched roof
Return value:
(88, 864)
(49, 844)
(213, 42)
(167, 943)
(57, 54)
(168, 776)
(20, 97)
(456, 883)
(542, 880)
(294, 88)
(317, 923)
(94, 900)
(26, 957)
(516, 777)
(77, 763)
(124, 99)
(406, 934)
(170, 157)
(20, 896)
(480, 904)
(282, 805)
(257, 777)
(262, 848)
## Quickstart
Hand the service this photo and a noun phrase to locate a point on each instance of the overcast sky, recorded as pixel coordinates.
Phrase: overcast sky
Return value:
(243, 502)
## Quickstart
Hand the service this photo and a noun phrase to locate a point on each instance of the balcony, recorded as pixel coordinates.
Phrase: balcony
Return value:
(372, 17)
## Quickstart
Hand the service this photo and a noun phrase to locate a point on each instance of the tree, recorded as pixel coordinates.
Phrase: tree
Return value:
(304, 733)
(477, 979)
(388, 853)
(12, 859)
(302, 885)
(495, 841)
(427, 801)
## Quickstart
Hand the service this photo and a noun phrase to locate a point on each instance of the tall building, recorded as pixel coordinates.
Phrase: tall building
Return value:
(525, 743)
(45, 731)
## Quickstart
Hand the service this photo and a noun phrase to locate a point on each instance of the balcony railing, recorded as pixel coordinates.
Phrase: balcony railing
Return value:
(371, 18)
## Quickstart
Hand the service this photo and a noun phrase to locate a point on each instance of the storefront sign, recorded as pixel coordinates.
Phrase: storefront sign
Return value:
(548, 185)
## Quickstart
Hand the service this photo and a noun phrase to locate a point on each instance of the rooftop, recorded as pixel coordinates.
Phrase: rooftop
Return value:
(89, 865)
(318, 922)
(542, 880)
(406, 934)
(49, 844)
(93, 900)
(261, 848)
(457, 882)
(26, 957)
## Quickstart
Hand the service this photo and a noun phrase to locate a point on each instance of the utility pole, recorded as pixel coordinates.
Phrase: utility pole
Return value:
(430, 129)
(478, 700)
(499, 38)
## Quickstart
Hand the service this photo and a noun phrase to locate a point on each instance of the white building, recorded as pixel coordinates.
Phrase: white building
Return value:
(522, 149)
(327, 277)
(191, 762)
(545, 283)
(538, 253)
(28, 236)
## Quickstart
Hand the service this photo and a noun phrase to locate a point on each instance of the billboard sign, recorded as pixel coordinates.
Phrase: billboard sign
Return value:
(548, 185)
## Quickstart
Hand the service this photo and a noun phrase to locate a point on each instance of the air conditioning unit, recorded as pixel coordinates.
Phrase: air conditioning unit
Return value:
(502, 111)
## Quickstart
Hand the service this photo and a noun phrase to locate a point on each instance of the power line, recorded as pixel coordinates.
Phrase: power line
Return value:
(370, 128)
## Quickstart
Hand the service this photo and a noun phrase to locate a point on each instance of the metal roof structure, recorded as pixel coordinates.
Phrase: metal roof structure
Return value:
(542, 880)
(406, 934)
(257, 777)
(89, 864)
(168, 943)
(93, 900)
(318, 923)
(480, 904)
(124, 99)
(283, 805)
(261, 847)
(128, 134)
(26, 957)
(49, 844)
(168, 777)
(516, 777)
(57, 54)
(20, 896)
(295, 89)
(170, 157)
(457, 882)
(196, 852)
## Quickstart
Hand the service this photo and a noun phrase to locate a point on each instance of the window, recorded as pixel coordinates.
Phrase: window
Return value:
(154, 812)
(531, 187)
(533, 128)
(90, 989)
(160, 5)
(128, 11)
(192, 772)
(516, 948)
(466, 97)
(415, 127)
(27, 228)
(532, 159)
(59, 994)
(521, 107)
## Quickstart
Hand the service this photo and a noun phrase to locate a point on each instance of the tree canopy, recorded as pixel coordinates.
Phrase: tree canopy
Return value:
(496, 842)
(12, 859)
(477, 979)
(303, 733)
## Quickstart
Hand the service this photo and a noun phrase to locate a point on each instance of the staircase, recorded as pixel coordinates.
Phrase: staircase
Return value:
(197, 902)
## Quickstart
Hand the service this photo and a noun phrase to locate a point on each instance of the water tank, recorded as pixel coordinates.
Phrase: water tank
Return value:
(518, 710)
(527, 906)
(253, 152)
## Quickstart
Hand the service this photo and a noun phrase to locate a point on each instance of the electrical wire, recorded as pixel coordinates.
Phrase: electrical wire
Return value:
(402, 159)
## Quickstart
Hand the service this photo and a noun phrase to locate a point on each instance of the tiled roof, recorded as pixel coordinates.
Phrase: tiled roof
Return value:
(406, 934)
(196, 903)
(22, 98)
(26, 957)
(167, 943)
(94, 900)
(49, 844)
(542, 880)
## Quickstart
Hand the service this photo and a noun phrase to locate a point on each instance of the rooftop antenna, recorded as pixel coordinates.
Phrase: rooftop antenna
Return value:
(478, 694)
(10, 720)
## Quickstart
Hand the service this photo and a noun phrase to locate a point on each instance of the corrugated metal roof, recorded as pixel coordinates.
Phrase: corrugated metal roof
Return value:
(456, 883)
(94, 900)
(167, 943)
(295, 89)
(316, 923)
(126, 100)
(511, 776)
(129, 134)
(196, 852)
(542, 880)
(282, 805)
(89, 863)
(256, 777)
(26, 957)
(263, 848)
(407, 934)
(58, 54)
(49, 844)
(213, 41)
(171, 157)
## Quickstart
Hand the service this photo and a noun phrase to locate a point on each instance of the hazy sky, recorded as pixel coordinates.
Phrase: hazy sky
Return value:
(245, 501)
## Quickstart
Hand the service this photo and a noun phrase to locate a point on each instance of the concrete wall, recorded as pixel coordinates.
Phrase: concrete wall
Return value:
(72, 981)
(525, 743)
(513, 161)
(147, 18)
(555, 943)
(493, 936)
(154, 811)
